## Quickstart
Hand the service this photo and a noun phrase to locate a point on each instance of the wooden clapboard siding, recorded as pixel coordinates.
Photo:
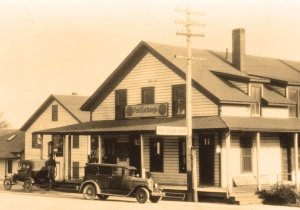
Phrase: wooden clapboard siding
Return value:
(3, 167)
(44, 121)
(171, 174)
(80, 154)
(242, 86)
(150, 72)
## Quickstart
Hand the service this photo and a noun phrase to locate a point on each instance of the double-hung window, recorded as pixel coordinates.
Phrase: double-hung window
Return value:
(148, 95)
(246, 154)
(178, 101)
(293, 96)
(120, 103)
(256, 93)
(54, 112)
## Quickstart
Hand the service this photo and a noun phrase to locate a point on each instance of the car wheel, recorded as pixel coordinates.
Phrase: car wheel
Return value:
(142, 195)
(102, 197)
(28, 186)
(155, 199)
(89, 192)
(7, 183)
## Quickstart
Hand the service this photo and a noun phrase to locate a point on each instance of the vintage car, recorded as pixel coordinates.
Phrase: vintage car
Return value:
(103, 180)
(30, 172)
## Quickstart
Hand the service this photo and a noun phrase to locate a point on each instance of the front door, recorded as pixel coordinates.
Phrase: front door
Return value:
(135, 153)
(286, 157)
(206, 159)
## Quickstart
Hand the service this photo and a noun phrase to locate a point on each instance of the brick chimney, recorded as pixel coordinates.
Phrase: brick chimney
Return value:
(238, 48)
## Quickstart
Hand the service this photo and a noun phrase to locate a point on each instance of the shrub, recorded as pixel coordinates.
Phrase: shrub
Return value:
(281, 194)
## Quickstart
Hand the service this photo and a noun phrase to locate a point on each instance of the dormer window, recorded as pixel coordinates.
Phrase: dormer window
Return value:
(256, 93)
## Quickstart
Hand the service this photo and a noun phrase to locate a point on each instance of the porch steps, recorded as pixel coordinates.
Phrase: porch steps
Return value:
(174, 195)
(245, 195)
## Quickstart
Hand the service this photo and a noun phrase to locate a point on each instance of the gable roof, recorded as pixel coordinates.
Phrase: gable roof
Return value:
(12, 141)
(207, 74)
(71, 103)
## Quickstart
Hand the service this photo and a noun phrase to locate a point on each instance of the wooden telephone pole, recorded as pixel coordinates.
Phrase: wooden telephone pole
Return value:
(190, 152)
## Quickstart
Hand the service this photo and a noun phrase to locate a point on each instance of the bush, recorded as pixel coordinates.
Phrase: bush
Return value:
(281, 194)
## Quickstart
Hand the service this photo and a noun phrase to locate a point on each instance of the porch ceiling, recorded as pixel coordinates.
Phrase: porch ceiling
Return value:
(259, 124)
(199, 123)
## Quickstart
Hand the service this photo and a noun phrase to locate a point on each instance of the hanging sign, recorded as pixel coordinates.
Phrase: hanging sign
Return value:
(171, 131)
(147, 110)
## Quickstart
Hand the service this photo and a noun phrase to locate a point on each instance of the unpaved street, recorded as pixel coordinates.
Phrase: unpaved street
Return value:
(50, 200)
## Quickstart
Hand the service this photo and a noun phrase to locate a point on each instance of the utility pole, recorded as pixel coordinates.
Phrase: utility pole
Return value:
(190, 154)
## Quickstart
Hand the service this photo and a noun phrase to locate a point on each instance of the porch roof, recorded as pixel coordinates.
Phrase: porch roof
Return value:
(105, 126)
(259, 124)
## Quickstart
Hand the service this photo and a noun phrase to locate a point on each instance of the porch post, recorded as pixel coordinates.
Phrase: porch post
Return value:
(88, 147)
(257, 161)
(66, 154)
(296, 160)
(143, 173)
(99, 149)
(229, 179)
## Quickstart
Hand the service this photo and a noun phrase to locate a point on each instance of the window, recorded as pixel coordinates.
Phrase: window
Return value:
(9, 166)
(120, 103)
(75, 141)
(246, 154)
(178, 100)
(148, 95)
(293, 96)
(36, 143)
(256, 94)
(156, 155)
(54, 113)
(76, 170)
(58, 145)
(182, 155)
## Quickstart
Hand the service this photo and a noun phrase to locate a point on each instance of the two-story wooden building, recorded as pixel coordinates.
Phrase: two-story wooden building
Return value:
(245, 111)
(56, 111)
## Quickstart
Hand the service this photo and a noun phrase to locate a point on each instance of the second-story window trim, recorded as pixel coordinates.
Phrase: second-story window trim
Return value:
(120, 103)
(148, 95)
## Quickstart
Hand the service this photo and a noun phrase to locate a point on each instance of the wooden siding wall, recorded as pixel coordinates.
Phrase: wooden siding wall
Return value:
(45, 122)
(171, 174)
(80, 154)
(242, 86)
(270, 158)
(2, 168)
(150, 72)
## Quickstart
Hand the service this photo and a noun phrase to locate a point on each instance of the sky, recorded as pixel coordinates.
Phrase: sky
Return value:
(65, 46)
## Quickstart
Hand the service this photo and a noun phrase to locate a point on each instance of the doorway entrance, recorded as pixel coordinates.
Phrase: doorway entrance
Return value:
(286, 157)
(206, 159)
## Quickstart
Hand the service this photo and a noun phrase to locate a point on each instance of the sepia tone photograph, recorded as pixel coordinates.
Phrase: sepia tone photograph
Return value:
(123, 104)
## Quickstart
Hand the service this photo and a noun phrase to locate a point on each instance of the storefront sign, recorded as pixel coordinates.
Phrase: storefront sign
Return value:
(171, 131)
(147, 110)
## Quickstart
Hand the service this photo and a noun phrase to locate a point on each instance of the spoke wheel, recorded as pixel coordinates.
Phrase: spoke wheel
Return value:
(7, 183)
(28, 186)
(102, 197)
(155, 199)
(142, 195)
(89, 192)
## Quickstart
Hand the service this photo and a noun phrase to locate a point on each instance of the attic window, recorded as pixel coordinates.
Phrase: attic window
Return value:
(12, 137)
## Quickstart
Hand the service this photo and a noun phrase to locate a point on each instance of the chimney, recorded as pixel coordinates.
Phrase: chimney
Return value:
(238, 48)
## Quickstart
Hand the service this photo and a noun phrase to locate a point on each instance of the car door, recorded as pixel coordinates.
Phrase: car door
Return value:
(104, 179)
(117, 180)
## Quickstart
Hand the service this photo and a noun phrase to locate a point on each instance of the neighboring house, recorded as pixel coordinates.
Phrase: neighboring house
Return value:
(56, 111)
(245, 111)
(11, 151)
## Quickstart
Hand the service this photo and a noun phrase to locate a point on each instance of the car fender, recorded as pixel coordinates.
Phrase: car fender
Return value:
(137, 187)
(31, 180)
(90, 182)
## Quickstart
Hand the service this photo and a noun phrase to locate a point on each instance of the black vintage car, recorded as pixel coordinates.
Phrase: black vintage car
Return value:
(30, 173)
(103, 180)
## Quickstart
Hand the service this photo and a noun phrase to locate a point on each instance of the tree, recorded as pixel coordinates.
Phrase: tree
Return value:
(3, 123)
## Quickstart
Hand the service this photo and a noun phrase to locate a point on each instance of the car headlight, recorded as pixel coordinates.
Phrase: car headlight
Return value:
(155, 185)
